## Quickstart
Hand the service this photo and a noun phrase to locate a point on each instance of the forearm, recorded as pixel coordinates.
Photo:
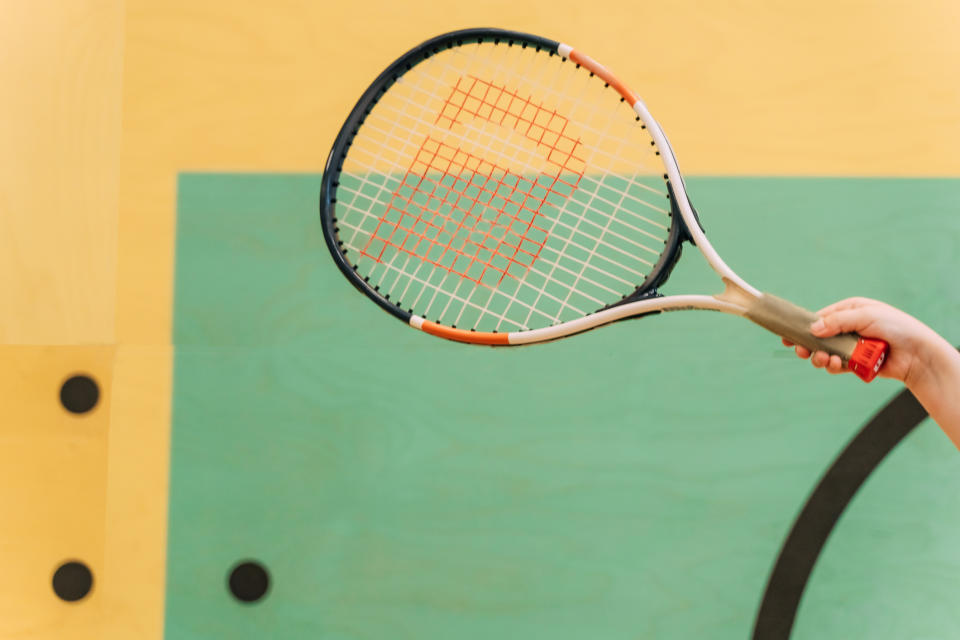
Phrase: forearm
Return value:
(937, 386)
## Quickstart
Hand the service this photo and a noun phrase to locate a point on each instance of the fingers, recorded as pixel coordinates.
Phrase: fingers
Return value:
(835, 365)
(846, 320)
(802, 352)
(832, 363)
(852, 315)
(820, 359)
(848, 303)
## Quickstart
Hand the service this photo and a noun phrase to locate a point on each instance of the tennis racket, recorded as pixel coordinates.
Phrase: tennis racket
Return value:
(499, 188)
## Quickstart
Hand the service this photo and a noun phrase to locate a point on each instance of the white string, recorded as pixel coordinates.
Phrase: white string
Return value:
(585, 178)
(510, 298)
(408, 255)
(513, 299)
(398, 137)
(458, 285)
(402, 271)
(557, 221)
(431, 286)
(470, 125)
(589, 237)
(593, 252)
(546, 247)
(566, 245)
(544, 86)
(379, 156)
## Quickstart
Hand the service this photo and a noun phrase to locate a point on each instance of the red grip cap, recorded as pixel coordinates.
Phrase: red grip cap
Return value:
(867, 358)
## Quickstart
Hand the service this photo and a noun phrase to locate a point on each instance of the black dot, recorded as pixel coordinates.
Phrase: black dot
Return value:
(79, 394)
(249, 581)
(72, 581)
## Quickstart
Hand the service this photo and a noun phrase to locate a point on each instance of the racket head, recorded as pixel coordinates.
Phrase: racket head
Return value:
(427, 221)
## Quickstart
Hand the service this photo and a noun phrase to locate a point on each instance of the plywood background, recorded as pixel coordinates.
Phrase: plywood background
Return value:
(106, 103)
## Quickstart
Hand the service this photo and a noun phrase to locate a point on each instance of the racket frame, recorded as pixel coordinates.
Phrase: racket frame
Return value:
(737, 298)
(644, 300)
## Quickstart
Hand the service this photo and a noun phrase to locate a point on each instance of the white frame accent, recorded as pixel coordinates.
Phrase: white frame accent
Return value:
(667, 303)
(683, 202)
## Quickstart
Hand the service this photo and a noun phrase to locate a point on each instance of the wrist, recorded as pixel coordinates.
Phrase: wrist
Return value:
(937, 363)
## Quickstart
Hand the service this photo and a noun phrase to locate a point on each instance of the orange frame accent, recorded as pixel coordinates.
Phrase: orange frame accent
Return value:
(604, 74)
(473, 337)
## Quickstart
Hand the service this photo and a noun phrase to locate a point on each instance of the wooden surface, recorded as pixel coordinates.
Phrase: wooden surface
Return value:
(634, 481)
(60, 73)
(105, 102)
(60, 136)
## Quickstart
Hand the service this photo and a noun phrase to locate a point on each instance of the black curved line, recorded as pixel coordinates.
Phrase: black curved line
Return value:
(819, 516)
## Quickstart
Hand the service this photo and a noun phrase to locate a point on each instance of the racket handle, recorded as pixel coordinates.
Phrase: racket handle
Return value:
(863, 356)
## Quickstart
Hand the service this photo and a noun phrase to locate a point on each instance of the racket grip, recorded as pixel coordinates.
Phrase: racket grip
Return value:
(863, 356)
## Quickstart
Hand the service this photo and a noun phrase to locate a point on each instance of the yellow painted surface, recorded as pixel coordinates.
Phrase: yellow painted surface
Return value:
(135, 535)
(104, 103)
(53, 471)
(60, 129)
(60, 69)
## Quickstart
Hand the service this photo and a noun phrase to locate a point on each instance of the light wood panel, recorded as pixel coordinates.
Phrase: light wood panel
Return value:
(60, 70)
(87, 217)
(60, 127)
(53, 475)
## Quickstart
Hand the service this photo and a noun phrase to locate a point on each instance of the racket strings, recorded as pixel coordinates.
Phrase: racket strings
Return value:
(599, 152)
(599, 200)
(458, 187)
(498, 189)
(589, 205)
(590, 181)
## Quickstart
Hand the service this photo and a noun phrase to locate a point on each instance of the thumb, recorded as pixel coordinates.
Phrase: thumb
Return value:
(843, 321)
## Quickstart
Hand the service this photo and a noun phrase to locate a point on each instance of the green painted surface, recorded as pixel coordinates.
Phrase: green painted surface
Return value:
(632, 482)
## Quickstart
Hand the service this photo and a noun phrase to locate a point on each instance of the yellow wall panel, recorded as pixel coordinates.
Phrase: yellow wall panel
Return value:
(53, 472)
(60, 70)
(60, 124)
(136, 505)
(852, 88)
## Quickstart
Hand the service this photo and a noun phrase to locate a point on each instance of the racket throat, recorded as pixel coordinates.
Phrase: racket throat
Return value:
(736, 294)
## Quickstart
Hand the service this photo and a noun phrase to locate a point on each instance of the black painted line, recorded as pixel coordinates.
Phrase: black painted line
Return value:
(826, 504)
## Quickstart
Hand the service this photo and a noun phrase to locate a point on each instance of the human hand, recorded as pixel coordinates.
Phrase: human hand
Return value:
(910, 340)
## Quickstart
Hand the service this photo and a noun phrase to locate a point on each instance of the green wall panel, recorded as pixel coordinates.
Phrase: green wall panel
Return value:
(632, 482)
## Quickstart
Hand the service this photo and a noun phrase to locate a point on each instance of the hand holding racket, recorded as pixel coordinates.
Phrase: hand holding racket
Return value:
(499, 188)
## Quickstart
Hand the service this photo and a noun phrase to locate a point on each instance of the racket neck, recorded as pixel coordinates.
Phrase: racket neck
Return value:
(690, 221)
